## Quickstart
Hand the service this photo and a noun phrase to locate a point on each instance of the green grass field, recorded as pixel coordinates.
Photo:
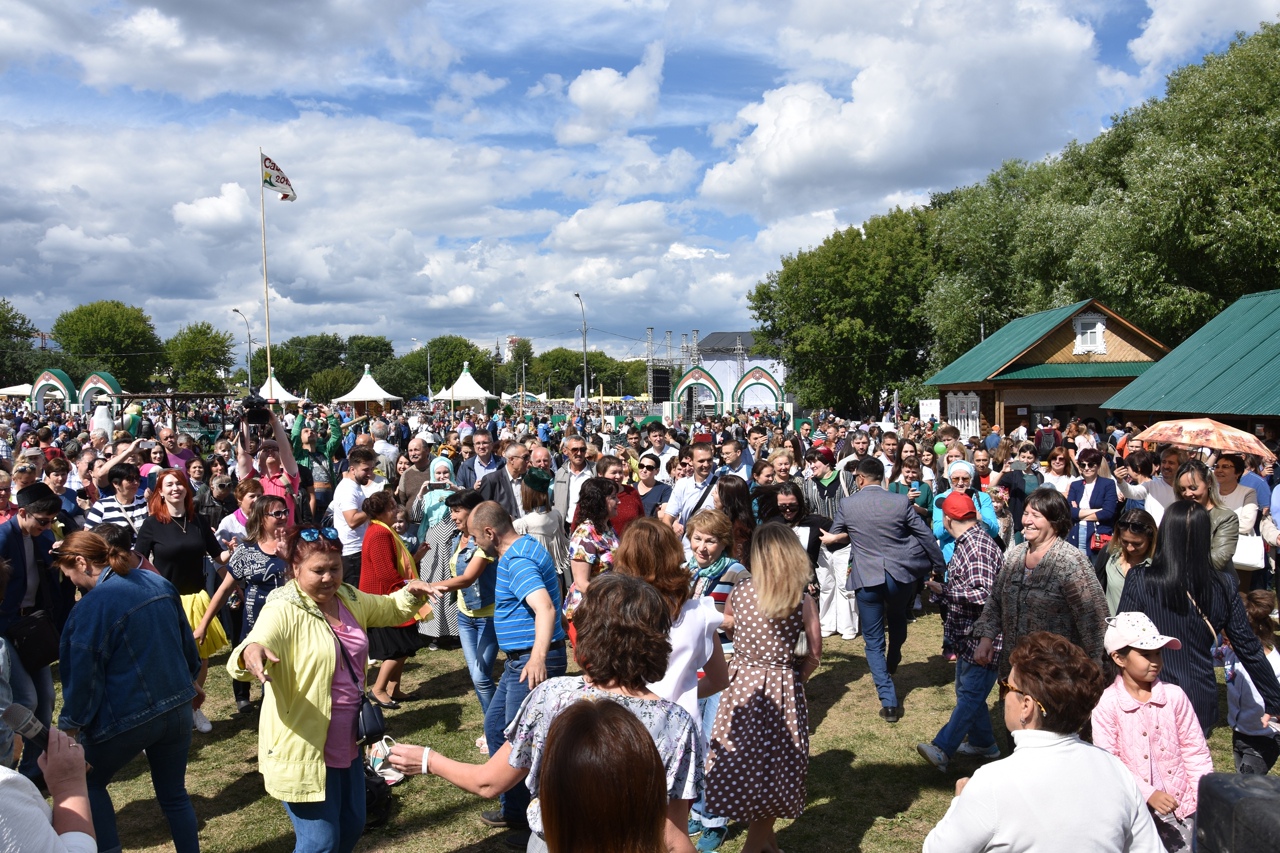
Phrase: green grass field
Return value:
(868, 789)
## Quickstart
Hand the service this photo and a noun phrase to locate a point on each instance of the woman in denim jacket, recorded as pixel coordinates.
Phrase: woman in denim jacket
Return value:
(128, 664)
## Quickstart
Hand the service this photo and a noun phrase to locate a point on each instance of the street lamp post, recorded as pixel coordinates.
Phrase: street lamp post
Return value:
(248, 337)
(428, 348)
(586, 386)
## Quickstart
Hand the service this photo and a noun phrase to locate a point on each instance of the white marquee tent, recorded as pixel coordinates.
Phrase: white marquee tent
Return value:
(466, 389)
(16, 390)
(273, 390)
(367, 391)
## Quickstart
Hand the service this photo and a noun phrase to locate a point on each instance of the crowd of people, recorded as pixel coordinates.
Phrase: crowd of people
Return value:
(691, 572)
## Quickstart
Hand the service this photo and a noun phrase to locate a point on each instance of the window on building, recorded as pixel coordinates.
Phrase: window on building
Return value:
(1090, 333)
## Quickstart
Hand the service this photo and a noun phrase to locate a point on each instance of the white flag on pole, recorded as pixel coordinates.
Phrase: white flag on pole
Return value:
(274, 180)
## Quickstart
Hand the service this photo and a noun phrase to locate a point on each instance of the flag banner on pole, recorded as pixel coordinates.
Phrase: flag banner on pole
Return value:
(274, 180)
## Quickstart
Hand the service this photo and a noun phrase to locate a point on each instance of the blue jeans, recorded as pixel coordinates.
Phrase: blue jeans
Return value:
(33, 691)
(504, 706)
(336, 824)
(970, 717)
(707, 710)
(881, 606)
(480, 648)
(167, 740)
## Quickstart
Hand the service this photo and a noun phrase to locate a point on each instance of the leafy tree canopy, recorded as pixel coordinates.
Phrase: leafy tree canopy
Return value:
(121, 337)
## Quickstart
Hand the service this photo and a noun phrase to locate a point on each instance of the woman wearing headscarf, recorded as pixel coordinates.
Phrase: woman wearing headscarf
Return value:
(960, 476)
(436, 532)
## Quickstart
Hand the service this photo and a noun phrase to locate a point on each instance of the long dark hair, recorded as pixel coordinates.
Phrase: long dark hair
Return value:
(1181, 563)
(593, 503)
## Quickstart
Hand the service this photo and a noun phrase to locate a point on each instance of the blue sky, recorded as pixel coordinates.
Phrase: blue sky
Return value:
(464, 167)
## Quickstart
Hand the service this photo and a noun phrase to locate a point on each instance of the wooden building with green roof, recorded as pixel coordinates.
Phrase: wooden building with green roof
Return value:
(1061, 363)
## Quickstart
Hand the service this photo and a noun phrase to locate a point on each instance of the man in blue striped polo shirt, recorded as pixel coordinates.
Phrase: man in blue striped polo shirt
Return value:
(530, 634)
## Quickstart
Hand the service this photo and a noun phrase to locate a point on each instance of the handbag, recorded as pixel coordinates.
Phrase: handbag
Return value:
(1099, 541)
(1249, 554)
(35, 639)
(371, 725)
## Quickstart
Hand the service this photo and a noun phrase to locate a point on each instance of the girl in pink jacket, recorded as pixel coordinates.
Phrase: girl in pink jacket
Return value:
(1152, 728)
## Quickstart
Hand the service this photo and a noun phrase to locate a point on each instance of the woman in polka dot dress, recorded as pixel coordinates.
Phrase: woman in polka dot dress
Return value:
(759, 753)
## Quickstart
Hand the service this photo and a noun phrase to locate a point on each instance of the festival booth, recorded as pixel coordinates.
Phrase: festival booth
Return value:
(19, 391)
(466, 390)
(367, 391)
(1060, 363)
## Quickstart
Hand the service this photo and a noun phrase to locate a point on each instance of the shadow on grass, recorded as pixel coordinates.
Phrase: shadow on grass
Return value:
(850, 799)
(831, 684)
(142, 823)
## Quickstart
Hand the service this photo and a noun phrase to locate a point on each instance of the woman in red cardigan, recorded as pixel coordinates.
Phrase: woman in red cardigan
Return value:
(385, 566)
(629, 505)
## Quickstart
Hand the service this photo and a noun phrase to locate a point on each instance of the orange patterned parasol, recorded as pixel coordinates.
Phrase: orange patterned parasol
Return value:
(1205, 432)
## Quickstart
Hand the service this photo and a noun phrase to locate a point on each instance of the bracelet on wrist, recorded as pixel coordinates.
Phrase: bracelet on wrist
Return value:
(426, 761)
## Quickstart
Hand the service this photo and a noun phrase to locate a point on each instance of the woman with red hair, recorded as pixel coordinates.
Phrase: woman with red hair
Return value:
(176, 539)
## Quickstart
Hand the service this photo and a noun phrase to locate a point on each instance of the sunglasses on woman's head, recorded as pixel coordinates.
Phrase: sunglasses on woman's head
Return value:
(1138, 527)
(313, 534)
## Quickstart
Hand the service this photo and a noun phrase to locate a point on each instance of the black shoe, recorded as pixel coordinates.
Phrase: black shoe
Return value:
(498, 820)
(517, 839)
(392, 705)
(889, 715)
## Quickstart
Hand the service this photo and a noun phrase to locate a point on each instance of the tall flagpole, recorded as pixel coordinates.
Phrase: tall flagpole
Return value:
(266, 290)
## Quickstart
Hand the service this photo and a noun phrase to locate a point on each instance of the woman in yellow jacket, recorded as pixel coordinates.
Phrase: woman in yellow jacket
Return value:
(307, 748)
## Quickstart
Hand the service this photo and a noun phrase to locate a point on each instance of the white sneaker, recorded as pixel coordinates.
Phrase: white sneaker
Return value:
(933, 755)
(201, 723)
(992, 751)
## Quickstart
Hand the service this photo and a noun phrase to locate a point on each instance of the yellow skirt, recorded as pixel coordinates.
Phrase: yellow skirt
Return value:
(215, 639)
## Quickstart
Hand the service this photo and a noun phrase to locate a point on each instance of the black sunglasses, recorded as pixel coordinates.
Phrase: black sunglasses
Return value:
(312, 534)
(648, 467)
(1138, 527)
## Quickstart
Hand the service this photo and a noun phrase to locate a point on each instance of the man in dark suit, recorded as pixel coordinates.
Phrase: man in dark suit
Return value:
(891, 550)
(34, 584)
(503, 485)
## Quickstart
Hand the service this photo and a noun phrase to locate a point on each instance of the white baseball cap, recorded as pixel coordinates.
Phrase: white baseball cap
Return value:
(1134, 629)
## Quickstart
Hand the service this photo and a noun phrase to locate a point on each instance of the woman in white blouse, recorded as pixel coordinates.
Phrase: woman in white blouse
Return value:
(1243, 500)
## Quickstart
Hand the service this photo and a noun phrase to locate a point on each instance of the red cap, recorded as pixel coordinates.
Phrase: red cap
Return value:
(959, 506)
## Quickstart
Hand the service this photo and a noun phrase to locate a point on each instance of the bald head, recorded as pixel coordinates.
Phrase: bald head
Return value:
(540, 457)
(491, 515)
(364, 440)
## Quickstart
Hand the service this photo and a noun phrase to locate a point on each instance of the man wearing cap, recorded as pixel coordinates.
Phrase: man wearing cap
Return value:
(891, 550)
(971, 574)
(503, 485)
(35, 584)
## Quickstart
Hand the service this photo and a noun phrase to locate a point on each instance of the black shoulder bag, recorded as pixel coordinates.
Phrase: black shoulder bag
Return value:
(371, 725)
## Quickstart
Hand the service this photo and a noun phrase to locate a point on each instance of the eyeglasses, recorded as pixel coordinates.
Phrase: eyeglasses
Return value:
(281, 514)
(314, 534)
(1088, 466)
(788, 507)
(1006, 688)
(1138, 527)
(648, 467)
(577, 450)
(43, 520)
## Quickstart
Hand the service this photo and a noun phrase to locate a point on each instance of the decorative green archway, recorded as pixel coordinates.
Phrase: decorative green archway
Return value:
(53, 380)
(756, 376)
(97, 383)
(697, 376)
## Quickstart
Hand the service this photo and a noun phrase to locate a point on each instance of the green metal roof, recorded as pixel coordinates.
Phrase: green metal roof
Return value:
(1088, 370)
(1005, 344)
(1228, 367)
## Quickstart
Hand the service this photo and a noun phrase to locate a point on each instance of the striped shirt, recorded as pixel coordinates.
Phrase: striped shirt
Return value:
(523, 569)
(109, 511)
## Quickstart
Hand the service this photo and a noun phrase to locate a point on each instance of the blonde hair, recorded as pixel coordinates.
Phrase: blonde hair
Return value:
(779, 570)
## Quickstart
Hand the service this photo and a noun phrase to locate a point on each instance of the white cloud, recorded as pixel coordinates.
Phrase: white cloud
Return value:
(1179, 29)
(608, 101)
(218, 214)
(624, 229)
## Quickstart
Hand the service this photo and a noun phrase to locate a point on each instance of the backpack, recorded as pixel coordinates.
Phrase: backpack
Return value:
(1046, 441)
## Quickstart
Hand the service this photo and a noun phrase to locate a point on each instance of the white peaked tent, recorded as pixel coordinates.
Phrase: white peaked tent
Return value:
(273, 390)
(465, 389)
(366, 391)
(16, 391)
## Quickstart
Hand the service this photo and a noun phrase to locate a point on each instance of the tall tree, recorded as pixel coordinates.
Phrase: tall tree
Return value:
(373, 350)
(199, 357)
(448, 352)
(289, 369)
(120, 336)
(319, 352)
(330, 383)
(17, 355)
(844, 317)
